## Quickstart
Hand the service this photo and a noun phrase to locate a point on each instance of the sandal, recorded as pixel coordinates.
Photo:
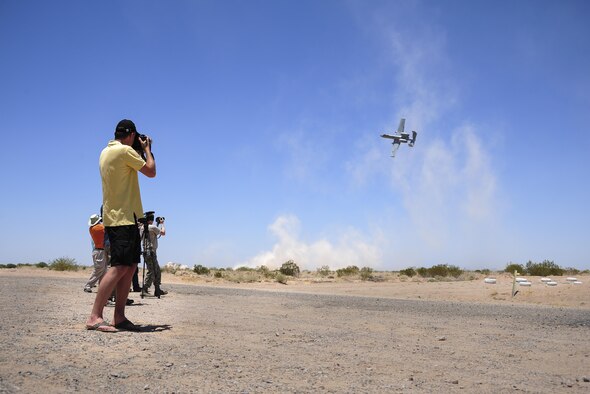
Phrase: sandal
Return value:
(103, 326)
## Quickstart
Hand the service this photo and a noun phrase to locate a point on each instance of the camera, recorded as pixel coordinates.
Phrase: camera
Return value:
(137, 144)
(160, 220)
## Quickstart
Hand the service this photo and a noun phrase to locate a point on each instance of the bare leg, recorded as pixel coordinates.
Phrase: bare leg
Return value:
(122, 292)
(112, 277)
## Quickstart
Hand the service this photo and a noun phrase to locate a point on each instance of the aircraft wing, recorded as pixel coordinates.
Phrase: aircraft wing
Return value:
(402, 124)
(394, 149)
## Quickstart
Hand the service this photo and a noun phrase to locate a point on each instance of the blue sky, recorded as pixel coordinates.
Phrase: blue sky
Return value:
(266, 118)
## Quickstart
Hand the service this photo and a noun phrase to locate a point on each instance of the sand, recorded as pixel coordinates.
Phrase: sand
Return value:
(307, 336)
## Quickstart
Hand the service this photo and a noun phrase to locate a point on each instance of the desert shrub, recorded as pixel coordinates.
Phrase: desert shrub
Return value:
(281, 278)
(218, 274)
(366, 273)
(348, 271)
(324, 270)
(454, 271)
(63, 264)
(243, 276)
(408, 272)
(9, 265)
(422, 271)
(245, 269)
(469, 276)
(249, 277)
(266, 272)
(289, 268)
(438, 270)
(201, 270)
(41, 264)
(571, 271)
(484, 271)
(543, 269)
(511, 267)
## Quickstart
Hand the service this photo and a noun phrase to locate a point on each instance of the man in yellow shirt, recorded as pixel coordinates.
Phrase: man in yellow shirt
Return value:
(119, 164)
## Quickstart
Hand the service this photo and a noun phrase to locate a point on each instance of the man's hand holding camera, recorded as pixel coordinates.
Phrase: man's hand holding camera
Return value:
(146, 143)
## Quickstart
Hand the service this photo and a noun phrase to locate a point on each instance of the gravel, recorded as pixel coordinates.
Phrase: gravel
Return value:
(208, 339)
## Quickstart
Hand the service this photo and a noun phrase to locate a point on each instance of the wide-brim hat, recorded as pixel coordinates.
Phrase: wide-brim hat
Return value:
(94, 220)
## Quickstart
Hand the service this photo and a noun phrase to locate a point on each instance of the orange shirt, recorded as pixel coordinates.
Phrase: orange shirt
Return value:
(97, 234)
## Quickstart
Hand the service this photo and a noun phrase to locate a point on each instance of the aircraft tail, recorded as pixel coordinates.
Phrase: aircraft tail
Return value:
(413, 140)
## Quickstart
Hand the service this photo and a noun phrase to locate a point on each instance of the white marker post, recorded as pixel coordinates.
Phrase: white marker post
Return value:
(514, 284)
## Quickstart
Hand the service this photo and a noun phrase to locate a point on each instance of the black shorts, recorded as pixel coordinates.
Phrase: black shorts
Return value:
(125, 245)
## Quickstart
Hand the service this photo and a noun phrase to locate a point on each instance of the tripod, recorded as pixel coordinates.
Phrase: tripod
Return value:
(147, 250)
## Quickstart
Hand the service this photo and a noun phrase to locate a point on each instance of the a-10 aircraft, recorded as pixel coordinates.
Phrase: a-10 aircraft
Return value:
(400, 137)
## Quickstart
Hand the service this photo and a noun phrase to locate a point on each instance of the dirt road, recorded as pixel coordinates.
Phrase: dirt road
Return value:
(210, 339)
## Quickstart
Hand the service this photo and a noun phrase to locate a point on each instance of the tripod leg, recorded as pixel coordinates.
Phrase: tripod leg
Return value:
(143, 279)
(144, 235)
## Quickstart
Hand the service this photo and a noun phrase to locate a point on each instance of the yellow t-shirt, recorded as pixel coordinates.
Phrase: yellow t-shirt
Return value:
(120, 185)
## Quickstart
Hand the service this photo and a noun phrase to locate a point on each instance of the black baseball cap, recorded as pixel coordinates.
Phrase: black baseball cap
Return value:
(125, 126)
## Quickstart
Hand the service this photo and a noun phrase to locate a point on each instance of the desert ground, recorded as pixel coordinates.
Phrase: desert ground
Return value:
(310, 335)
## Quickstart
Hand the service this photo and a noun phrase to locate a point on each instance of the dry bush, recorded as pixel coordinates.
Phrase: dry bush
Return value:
(64, 264)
